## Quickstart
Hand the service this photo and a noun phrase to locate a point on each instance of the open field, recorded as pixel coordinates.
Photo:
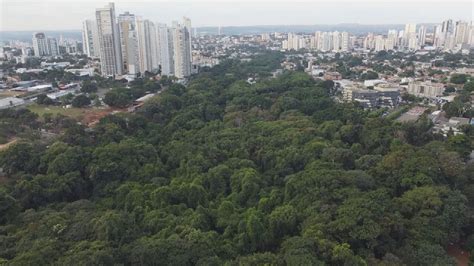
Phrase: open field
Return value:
(77, 113)
(85, 115)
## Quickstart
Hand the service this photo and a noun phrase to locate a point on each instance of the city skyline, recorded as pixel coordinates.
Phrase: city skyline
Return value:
(226, 13)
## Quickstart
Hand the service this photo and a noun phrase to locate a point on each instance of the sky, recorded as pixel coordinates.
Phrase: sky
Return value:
(42, 15)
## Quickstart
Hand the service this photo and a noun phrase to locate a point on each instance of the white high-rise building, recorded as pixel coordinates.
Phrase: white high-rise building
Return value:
(437, 36)
(389, 44)
(53, 46)
(109, 41)
(293, 42)
(165, 55)
(408, 33)
(44, 46)
(129, 43)
(147, 43)
(379, 43)
(392, 37)
(412, 41)
(462, 32)
(181, 38)
(188, 34)
(447, 26)
(40, 44)
(443, 33)
(345, 42)
(336, 41)
(314, 42)
(369, 42)
(90, 39)
(422, 35)
(471, 35)
(187, 24)
(326, 42)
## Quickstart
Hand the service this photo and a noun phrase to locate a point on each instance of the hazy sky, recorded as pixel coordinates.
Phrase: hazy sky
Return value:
(68, 14)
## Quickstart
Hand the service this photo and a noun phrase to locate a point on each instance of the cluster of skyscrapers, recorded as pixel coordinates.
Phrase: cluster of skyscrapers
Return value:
(321, 41)
(45, 46)
(128, 44)
(450, 35)
(446, 36)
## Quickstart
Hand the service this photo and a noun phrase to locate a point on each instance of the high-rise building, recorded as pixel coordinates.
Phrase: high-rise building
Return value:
(389, 44)
(336, 41)
(109, 41)
(40, 44)
(165, 55)
(412, 41)
(129, 43)
(188, 34)
(327, 42)
(182, 48)
(293, 42)
(187, 25)
(471, 35)
(147, 46)
(345, 42)
(90, 39)
(53, 46)
(461, 32)
(392, 37)
(422, 35)
(369, 42)
(410, 28)
(44, 46)
(443, 33)
(379, 43)
(315, 40)
(408, 34)
(447, 26)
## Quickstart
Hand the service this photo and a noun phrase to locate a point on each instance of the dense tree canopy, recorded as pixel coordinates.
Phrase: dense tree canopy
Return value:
(226, 172)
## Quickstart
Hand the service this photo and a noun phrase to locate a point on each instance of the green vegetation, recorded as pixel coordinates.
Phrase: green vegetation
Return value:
(118, 97)
(41, 110)
(80, 100)
(88, 87)
(469, 86)
(459, 78)
(222, 172)
(369, 75)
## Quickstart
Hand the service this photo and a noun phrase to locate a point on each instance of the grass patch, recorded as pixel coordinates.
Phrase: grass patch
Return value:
(76, 113)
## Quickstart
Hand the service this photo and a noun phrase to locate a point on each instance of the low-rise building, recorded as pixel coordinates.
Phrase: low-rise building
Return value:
(425, 89)
(453, 125)
(58, 94)
(332, 76)
(380, 97)
(389, 95)
(373, 82)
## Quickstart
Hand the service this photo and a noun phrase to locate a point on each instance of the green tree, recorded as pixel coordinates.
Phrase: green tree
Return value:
(81, 100)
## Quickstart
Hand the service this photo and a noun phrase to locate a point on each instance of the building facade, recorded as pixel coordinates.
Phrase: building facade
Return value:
(109, 41)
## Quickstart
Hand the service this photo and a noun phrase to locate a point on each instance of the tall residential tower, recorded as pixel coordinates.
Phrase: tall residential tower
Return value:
(90, 39)
(109, 41)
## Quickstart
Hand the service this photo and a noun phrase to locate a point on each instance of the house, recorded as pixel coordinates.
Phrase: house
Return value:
(332, 76)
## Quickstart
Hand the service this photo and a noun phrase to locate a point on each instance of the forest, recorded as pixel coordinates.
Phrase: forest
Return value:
(223, 172)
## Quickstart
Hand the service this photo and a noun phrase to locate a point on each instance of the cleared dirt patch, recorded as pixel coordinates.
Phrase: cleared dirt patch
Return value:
(8, 144)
